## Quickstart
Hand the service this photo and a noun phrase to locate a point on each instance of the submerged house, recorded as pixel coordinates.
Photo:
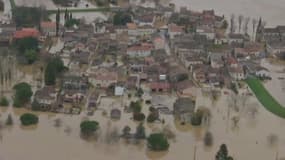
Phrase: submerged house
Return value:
(183, 109)
(46, 97)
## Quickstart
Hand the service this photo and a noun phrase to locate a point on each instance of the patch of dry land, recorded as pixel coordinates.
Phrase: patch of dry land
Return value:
(249, 138)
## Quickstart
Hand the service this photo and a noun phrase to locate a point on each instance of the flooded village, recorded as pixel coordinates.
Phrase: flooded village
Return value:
(145, 80)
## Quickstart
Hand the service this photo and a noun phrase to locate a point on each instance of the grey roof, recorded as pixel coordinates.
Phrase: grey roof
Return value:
(184, 105)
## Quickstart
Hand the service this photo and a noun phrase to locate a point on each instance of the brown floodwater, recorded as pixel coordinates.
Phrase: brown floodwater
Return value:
(46, 141)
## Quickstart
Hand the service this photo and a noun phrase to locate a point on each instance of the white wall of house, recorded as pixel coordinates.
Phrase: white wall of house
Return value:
(102, 83)
(139, 53)
(262, 73)
(237, 75)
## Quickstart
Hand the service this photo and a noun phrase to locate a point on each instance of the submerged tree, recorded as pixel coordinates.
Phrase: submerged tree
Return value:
(157, 142)
(222, 154)
(140, 132)
(9, 120)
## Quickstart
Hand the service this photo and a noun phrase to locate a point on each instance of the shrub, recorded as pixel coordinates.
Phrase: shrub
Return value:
(29, 119)
(151, 118)
(157, 142)
(89, 127)
(139, 116)
(23, 94)
(4, 102)
(196, 119)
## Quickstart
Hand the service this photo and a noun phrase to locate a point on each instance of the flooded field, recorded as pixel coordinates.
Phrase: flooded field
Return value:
(271, 11)
(248, 139)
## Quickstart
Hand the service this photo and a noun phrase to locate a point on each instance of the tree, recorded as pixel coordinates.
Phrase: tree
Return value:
(27, 43)
(29, 119)
(88, 128)
(121, 18)
(9, 120)
(57, 21)
(71, 22)
(31, 56)
(29, 16)
(50, 75)
(232, 25)
(4, 102)
(208, 139)
(23, 94)
(140, 92)
(126, 131)
(54, 67)
(225, 24)
(136, 107)
(254, 22)
(240, 20)
(151, 118)
(66, 15)
(245, 25)
(222, 154)
(1, 5)
(140, 131)
(157, 142)
(196, 118)
(139, 116)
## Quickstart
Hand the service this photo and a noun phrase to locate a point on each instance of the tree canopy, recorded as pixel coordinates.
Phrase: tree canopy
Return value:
(140, 131)
(71, 22)
(54, 67)
(222, 154)
(89, 127)
(31, 56)
(23, 94)
(157, 142)
(4, 102)
(29, 16)
(121, 18)
(28, 48)
(27, 43)
(29, 119)
(136, 107)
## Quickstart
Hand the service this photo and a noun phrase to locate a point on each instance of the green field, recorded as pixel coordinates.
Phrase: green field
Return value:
(265, 97)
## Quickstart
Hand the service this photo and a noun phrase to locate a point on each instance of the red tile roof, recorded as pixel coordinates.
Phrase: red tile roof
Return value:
(175, 28)
(160, 85)
(48, 24)
(26, 32)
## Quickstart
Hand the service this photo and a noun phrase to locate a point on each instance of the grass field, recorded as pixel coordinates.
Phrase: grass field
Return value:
(265, 97)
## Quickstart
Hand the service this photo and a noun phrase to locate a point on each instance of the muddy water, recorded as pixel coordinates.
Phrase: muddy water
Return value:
(276, 86)
(271, 11)
(45, 141)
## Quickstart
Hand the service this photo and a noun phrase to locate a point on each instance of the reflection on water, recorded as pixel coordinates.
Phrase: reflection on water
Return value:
(155, 155)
